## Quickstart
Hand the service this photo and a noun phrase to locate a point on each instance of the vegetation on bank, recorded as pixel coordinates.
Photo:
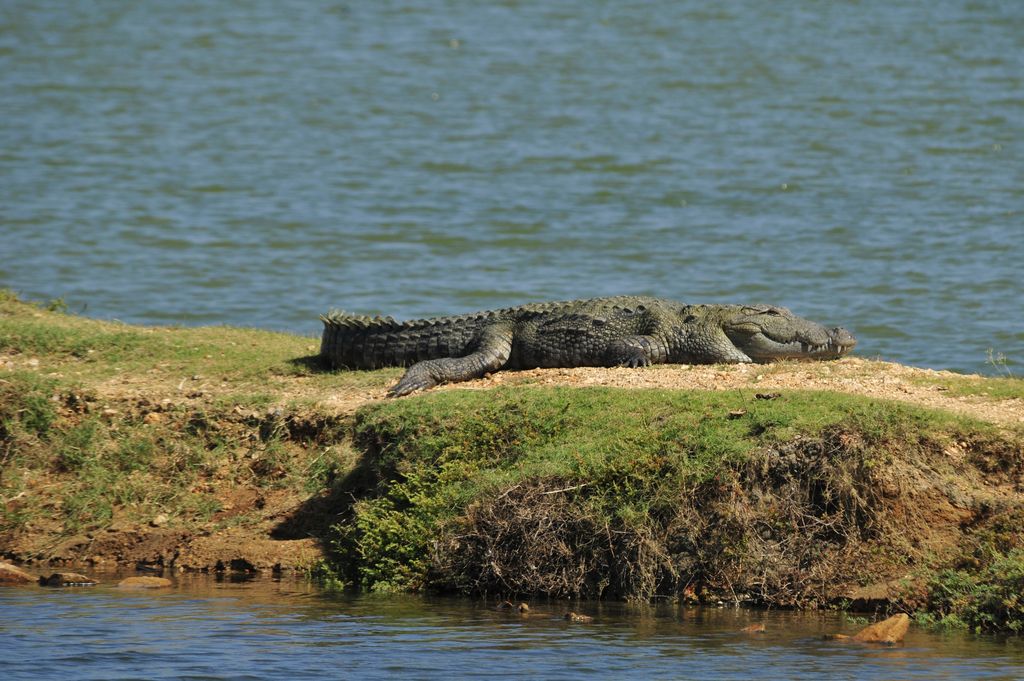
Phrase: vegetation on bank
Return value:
(106, 424)
(794, 498)
(641, 494)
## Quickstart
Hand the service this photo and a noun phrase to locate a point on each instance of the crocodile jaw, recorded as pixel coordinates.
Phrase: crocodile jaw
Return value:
(766, 333)
(829, 344)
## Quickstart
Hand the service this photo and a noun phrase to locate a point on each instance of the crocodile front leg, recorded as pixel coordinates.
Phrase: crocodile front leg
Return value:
(707, 346)
(493, 350)
(637, 351)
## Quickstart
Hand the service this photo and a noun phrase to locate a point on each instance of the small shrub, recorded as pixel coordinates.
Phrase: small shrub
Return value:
(386, 544)
(57, 305)
(88, 506)
(25, 407)
(989, 600)
(133, 453)
(77, 446)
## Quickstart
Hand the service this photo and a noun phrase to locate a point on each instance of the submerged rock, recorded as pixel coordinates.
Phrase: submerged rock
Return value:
(576, 617)
(67, 579)
(144, 583)
(509, 605)
(11, 574)
(891, 630)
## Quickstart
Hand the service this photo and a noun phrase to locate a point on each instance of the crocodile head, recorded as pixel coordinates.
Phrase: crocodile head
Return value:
(766, 333)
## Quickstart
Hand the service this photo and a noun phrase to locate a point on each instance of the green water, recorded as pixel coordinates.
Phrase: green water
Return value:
(256, 163)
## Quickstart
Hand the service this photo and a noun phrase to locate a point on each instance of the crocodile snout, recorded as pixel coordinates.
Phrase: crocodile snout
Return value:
(841, 340)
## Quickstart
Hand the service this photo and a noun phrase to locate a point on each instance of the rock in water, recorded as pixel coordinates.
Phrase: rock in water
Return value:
(890, 630)
(144, 583)
(67, 579)
(576, 617)
(10, 574)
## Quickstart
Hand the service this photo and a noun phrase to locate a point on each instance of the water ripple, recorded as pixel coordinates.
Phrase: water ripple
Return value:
(210, 630)
(858, 162)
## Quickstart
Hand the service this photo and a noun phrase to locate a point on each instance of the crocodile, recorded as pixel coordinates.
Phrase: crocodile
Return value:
(628, 331)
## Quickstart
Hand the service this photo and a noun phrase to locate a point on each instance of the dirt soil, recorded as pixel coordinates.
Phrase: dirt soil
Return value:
(871, 378)
(884, 380)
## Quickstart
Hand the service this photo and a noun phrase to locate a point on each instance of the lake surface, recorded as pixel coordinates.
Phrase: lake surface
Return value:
(205, 629)
(257, 163)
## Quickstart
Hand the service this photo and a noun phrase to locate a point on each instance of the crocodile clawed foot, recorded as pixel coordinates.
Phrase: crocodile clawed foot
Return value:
(637, 361)
(413, 381)
(403, 388)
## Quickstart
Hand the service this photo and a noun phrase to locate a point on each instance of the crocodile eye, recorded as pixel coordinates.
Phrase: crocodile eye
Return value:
(773, 312)
(757, 309)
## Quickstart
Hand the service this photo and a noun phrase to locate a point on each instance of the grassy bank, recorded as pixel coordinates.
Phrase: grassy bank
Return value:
(806, 498)
(215, 448)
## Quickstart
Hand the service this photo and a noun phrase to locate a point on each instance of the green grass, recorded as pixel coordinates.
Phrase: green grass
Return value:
(92, 468)
(93, 350)
(995, 388)
(571, 431)
(26, 409)
(55, 434)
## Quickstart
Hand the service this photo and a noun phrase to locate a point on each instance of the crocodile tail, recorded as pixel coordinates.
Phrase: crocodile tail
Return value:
(340, 318)
(344, 338)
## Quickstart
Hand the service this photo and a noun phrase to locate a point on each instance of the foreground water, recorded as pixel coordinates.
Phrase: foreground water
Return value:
(205, 629)
(256, 163)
